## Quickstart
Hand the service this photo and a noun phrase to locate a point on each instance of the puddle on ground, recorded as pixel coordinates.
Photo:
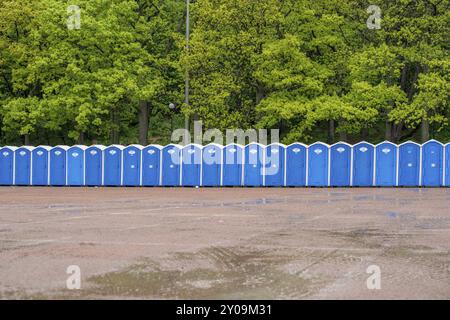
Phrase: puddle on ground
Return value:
(231, 274)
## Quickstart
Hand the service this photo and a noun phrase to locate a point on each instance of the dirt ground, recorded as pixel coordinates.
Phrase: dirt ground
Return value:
(231, 243)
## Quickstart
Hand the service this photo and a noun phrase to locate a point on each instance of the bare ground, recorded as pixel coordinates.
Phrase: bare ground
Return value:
(230, 243)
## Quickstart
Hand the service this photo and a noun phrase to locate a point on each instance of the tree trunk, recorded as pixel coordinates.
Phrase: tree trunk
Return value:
(143, 122)
(425, 130)
(364, 133)
(81, 138)
(26, 139)
(115, 127)
(388, 132)
(331, 131)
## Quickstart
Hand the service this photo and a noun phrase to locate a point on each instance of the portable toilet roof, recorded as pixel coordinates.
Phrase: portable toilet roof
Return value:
(62, 147)
(30, 148)
(433, 140)
(214, 144)
(341, 142)
(192, 145)
(81, 146)
(364, 142)
(385, 141)
(409, 142)
(158, 146)
(118, 146)
(99, 146)
(48, 148)
(321, 143)
(12, 148)
(138, 146)
(275, 144)
(297, 143)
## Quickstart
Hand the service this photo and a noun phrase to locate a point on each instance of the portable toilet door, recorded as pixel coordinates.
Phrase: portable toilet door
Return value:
(132, 165)
(151, 165)
(58, 171)
(385, 164)
(340, 165)
(274, 156)
(409, 164)
(112, 165)
(432, 164)
(39, 166)
(232, 162)
(191, 159)
(93, 165)
(363, 158)
(253, 167)
(7, 166)
(171, 157)
(447, 165)
(211, 165)
(76, 165)
(318, 164)
(22, 166)
(295, 172)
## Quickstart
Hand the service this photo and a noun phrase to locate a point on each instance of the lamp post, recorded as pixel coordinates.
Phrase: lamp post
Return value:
(186, 89)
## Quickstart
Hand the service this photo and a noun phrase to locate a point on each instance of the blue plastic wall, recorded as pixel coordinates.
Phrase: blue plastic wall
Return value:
(93, 166)
(6, 166)
(318, 165)
(211, 165)
(296, 165)
(132, 166)
(151, 159)
(58, 166)
(232, 165)
(22, 171)
(340, 165)
(386, 165)
(363, 158)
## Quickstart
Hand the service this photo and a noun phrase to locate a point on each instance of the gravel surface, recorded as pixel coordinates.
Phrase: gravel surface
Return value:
(230, 243)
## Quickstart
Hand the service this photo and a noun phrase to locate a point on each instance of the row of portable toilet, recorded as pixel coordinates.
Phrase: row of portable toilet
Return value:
(341, 164)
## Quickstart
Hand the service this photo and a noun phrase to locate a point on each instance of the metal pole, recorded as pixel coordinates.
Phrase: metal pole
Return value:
(186, 89)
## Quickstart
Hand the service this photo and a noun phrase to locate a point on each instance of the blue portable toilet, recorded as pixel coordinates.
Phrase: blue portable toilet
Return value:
(40, 165)
(274, 160)
(363, 159)
(132, 165)
(211, 165)
(447, 165)
(232, 165)
(76, 165)
(112, 165)
(171, 158)
(295, 172)
(253, 165)
(7, 166)
(151, 165)
(191, 159)
(385, 164)
(432, 164)
(22, 166)
(409, 164)
(58, 162)
(93, 165)
(318, 165)
(340, 165)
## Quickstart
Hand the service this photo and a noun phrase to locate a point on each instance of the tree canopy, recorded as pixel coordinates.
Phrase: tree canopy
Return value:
(313, 69)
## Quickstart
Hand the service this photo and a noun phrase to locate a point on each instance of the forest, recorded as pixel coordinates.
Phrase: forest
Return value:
(327, 70)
